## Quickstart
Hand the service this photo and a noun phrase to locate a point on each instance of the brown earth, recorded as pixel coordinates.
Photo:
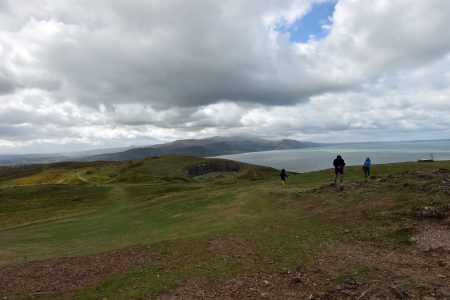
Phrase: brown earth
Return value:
(418, 268)
(343, 271)
(68, 273)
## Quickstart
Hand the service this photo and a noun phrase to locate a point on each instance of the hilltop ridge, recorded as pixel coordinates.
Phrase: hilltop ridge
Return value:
(209, 147)
(188, 227)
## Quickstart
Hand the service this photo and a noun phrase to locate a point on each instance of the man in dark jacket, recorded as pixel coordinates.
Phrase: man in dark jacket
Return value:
(283, 176)
(339, 165)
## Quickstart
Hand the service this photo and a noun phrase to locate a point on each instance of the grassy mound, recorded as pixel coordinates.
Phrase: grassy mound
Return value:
(149, 228)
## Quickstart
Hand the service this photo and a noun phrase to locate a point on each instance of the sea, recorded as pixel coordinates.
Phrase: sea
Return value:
(319, 158)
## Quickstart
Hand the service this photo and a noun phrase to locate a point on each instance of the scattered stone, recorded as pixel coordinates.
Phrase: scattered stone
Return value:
(441, 171)
(347, 292)
(429, 212)
(297, 279)
(433, 239)
(68, 273)
(398, 292)
(446, 221)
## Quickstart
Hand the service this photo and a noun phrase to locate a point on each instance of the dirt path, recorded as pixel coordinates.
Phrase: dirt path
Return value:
(81, 177)
(65, 274)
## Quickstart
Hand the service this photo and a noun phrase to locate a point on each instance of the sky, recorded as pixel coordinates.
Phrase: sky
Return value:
(85, 74)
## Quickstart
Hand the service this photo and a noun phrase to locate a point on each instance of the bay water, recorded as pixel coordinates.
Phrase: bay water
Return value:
(319, 158)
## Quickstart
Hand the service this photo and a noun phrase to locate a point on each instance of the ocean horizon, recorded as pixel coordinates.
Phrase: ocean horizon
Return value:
(319, 158)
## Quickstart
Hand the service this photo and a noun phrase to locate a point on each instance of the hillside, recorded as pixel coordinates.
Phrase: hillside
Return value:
(187, 227)
(30, 159)
(204, 148)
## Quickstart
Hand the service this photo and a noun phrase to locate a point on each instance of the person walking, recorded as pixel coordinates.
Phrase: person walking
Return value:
(366, 167)
(283, 176)
(339, 165)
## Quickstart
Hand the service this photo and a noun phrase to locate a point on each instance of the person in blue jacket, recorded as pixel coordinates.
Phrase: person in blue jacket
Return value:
(283, 176)
(366, 167)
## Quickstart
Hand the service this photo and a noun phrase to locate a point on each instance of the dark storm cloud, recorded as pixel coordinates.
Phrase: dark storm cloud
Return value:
(184, 53)
(168, 53)
(133, 70)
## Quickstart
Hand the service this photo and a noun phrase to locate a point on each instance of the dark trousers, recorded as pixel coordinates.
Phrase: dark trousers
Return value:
(366, 172)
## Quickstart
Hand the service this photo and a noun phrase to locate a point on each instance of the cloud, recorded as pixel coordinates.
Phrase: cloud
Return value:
(133, 71)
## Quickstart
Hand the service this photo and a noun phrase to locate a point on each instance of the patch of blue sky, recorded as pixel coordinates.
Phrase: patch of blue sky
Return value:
(313, 25)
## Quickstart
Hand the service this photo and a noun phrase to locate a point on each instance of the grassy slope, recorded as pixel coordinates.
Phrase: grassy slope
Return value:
(153, 202)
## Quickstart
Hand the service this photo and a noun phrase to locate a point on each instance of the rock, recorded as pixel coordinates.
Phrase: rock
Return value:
(202, 169)
(441, 171)
(296, 279)
(347, 292)
(266, 282)
(446, 221)
(429, 298)
(413, 239)
(398, 292)
(429, 212)
(264, 295)
(347, 231)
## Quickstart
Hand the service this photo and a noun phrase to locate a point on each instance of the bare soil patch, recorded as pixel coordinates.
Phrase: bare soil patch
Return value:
(232, 246)
(342, 271)
(68, 273)
(433, 239)
(296, 284)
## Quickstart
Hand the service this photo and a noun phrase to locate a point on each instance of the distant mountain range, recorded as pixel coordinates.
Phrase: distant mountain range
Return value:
(24, 159)
(204, 148)
(210, 147)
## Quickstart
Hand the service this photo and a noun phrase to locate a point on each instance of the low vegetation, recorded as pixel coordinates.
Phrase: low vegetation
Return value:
(151, 229)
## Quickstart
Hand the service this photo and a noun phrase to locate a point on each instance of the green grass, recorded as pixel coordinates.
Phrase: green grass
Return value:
(49, 213)
(354, 173)
(24, 205)
(352, 274)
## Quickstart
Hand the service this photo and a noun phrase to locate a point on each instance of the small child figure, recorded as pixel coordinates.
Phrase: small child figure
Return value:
(283, 176)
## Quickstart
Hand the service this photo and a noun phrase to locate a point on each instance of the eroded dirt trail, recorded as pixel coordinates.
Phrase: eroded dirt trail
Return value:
(68, 273)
